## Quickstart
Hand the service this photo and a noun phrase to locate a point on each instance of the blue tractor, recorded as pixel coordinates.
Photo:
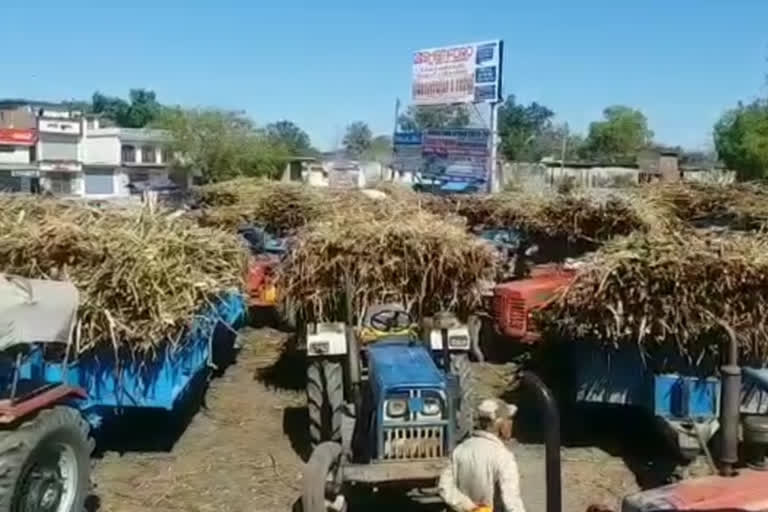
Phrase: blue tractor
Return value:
(404, 412)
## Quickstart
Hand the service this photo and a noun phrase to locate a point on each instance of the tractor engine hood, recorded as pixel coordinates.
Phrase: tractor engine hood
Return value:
(402, 366)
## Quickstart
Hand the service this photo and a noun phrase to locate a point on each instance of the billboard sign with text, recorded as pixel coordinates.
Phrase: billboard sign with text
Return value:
(468, 73)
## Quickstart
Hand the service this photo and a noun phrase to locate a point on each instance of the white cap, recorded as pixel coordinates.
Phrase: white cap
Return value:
(494, 409)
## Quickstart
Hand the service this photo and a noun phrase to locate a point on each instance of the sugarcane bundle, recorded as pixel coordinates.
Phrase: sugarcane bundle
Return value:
(739, 206)
(416, 259)
(142, 276)
(670, 289)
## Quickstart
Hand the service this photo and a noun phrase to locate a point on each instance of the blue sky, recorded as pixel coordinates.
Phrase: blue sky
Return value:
(326, 63)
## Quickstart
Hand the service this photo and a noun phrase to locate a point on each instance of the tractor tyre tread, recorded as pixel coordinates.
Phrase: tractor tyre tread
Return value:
(461, 366)
(315, 402)
(334, 381)
(17, 445)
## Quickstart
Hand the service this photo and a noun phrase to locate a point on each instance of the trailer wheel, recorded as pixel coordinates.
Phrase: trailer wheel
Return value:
(325, 399)
(465, 416)
(321, 486)
(45, 463)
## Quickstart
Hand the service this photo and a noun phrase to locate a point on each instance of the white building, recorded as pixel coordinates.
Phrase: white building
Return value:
(119, 162)
(18, 166)
(49, 147)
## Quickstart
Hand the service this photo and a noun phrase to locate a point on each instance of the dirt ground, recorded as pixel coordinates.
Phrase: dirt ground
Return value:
(244, 450)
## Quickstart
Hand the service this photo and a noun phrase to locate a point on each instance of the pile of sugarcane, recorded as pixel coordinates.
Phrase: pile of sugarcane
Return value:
(670, 289)
(737, 206)
(142, 276)
(278, 207)
(414, 258)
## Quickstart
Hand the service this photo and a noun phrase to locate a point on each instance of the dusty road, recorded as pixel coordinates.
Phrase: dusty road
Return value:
(243, 452)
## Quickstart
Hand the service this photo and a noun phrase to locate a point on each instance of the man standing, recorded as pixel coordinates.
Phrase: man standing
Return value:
(483, 472)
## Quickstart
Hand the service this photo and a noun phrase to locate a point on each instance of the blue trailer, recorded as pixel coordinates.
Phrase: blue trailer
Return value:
(49, 405)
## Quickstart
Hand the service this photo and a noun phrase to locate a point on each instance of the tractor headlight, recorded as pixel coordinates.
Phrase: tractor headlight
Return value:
(458, 341)
(431, 407)
(396, 407)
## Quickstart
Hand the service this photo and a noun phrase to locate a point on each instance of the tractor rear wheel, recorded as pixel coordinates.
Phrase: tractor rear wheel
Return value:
(465, 416)
(325, 400)
(46, 463)
(321, 486)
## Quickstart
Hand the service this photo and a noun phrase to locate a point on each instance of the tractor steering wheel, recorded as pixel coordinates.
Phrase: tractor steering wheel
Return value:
(388, 320)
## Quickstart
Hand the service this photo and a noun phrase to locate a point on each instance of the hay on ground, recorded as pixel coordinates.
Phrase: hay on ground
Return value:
(142, 277)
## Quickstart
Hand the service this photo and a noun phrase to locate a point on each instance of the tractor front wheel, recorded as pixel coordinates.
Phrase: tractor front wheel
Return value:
(325, 400)
(465, 415)
(46, 463)
(321, 487)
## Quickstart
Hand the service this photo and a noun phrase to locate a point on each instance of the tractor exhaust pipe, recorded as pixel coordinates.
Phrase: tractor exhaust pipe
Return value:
(730, 400)
(551, 439)
(353, 349)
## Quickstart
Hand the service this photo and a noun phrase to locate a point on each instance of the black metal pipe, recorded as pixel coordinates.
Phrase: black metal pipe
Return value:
(551, 439)
(353, 347)
(730, 399)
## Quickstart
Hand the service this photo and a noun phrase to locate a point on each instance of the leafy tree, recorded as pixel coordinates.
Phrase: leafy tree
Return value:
(618, 137)
(380, 150)
(741, 140)
(221, 145)
(423, 117)
(142, 109)
(520, 129)
(358, 139)
(290, 136)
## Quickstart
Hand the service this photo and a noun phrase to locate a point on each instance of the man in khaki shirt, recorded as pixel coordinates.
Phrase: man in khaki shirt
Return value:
(482, 475)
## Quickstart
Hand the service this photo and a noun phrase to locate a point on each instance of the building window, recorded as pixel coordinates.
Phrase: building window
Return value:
(128, 153)
(60, 183)
(166, 156)
(7, 149)
(90, 124)
(32, 154)
(148, 154)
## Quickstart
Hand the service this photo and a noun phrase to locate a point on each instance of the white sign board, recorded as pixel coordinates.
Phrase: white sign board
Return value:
(468, 73)
(59, 126)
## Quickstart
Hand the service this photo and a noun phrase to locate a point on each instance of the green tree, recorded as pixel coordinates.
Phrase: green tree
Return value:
(741, 140)
(619, 137)
(221, 145)
(380, 149)
(521, 129)
(141, 109)
(358, 139)
(290, 136)
(423, 117)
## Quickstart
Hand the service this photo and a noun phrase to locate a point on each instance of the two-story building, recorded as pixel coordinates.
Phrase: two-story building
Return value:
(119, 162)
(50, 147)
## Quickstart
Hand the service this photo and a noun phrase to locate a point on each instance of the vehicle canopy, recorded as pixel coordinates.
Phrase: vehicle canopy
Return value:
(36, 311)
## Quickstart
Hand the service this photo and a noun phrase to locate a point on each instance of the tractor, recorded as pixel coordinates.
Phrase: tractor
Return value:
(685, 405)
(742, 472)
(52, 399)
(386, 406)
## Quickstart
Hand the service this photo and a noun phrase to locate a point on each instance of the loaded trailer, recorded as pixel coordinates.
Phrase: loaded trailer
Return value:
(51, 401)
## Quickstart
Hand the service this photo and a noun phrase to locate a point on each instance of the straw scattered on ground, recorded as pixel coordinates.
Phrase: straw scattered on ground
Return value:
(142, 277)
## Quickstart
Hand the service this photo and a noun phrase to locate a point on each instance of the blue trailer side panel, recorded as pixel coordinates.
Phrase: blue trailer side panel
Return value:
(156, 384)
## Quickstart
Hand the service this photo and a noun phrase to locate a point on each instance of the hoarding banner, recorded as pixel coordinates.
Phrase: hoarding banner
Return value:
(469, 73)
(18, 137)
(407, 152)
(456, 155)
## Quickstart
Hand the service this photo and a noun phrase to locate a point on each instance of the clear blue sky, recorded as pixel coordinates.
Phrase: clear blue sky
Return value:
(324, 63)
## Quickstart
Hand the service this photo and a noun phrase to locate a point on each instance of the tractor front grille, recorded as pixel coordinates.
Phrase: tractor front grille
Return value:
(413, 443)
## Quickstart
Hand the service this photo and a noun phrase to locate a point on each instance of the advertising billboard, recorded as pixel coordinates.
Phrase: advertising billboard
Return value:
(468, 73)
(407, 152)
(456, 155)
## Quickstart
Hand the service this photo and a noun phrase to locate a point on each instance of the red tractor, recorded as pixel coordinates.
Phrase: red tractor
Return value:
(514, 302)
